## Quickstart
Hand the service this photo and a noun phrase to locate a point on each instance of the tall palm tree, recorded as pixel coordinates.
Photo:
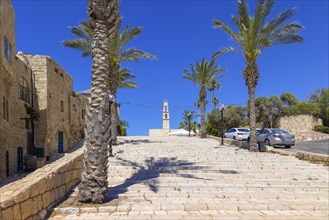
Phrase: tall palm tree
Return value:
(253, 36)
(212, 87)
(119, 53)
(104, 18)
(188, 116)
(202, 75)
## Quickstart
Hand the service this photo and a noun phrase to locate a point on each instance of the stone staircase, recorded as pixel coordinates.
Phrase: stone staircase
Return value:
(190, 178)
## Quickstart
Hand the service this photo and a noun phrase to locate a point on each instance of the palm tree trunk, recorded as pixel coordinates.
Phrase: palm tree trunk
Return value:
(93, 187)
(203, 119)
(213, 99)
(114, 83)
(251, 76)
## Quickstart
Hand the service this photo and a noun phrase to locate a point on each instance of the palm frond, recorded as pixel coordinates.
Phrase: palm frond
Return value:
(244, 14)
(124, 76)
(287, 34)
(127, 85)
(79, 44)
(128, 35)
(221, 25)
(133, 54)
(225, 50)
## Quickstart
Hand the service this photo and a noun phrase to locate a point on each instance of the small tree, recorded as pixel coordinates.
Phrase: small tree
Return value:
(202, 74)
(188, 117)
(212, 87)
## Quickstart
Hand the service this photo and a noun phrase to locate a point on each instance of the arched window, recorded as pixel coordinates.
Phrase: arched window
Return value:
(166, 116)
(24, 91)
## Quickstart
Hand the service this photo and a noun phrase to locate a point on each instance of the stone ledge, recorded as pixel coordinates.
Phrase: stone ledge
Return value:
(302, 155)
(38, 192)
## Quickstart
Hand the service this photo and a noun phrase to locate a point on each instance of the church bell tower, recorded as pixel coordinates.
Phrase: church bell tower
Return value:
(165, 116)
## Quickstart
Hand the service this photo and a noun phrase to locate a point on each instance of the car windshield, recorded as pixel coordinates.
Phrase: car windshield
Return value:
(278, 131)
(243, 130)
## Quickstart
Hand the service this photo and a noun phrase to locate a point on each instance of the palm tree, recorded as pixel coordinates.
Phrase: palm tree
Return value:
(254, 35)
(202, 75)
(103, 15)
(118, 55)
(188, 116)
(212, 87)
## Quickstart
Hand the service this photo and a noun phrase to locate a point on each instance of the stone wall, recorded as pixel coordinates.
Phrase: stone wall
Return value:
(14, 127)
(79, 105)
(60, 111)
(34, 195)
(298, 123)
(159, 132)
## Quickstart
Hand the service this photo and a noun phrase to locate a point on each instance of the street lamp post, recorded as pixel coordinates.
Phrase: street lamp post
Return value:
(222, 114)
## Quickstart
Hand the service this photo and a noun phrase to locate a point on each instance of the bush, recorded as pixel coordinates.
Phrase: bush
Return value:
(322, 129)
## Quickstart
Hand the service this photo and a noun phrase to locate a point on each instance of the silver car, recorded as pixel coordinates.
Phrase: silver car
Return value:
(276, 136)
(237, 134)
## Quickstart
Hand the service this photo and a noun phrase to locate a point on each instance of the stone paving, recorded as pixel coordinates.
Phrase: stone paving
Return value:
(191, 178)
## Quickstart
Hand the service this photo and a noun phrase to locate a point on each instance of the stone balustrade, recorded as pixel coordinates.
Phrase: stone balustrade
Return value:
(31, 197)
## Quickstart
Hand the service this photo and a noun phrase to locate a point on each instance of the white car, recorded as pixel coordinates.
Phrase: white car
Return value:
(237, 134)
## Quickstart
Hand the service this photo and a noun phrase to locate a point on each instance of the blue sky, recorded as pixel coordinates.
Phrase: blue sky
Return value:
(180, 33)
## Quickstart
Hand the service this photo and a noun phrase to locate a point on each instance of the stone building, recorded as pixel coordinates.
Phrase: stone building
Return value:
(15, 97)
(61, 110)
(38, 84)
(165, 123)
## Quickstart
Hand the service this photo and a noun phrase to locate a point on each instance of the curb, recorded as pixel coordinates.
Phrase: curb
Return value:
(302, 155)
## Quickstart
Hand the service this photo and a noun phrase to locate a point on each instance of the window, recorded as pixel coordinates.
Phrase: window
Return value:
(56, 70)
(24, 92)
(8, 50)
(5, 109)
(62, 106)
(166, 116)
(83, 114)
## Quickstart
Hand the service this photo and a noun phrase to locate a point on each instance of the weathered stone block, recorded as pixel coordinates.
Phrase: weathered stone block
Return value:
(46, 199)
(17, 212)
(38, 202)
(8, 213)
(69, 176)
(22, 194)
(39, 187)
(6, 201)
(27, 209)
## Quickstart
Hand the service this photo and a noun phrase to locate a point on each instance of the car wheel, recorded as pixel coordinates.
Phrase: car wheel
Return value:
(267, 142)
(287, 146)
(234, 138)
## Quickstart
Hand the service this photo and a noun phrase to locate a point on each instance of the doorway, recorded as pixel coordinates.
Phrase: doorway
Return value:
(60, 142)
(20, 159)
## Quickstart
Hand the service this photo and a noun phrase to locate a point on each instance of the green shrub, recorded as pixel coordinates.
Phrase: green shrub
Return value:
(321, 128)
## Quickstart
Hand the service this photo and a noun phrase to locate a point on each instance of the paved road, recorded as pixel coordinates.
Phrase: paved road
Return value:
(318, 146)
(190, 178)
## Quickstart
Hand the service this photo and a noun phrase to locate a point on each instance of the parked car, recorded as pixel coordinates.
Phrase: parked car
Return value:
(257, 133)
(237, 134)
(276, 136)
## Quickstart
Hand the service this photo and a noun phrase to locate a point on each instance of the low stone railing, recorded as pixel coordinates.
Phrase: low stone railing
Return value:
(302, 155)
(32, 196)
